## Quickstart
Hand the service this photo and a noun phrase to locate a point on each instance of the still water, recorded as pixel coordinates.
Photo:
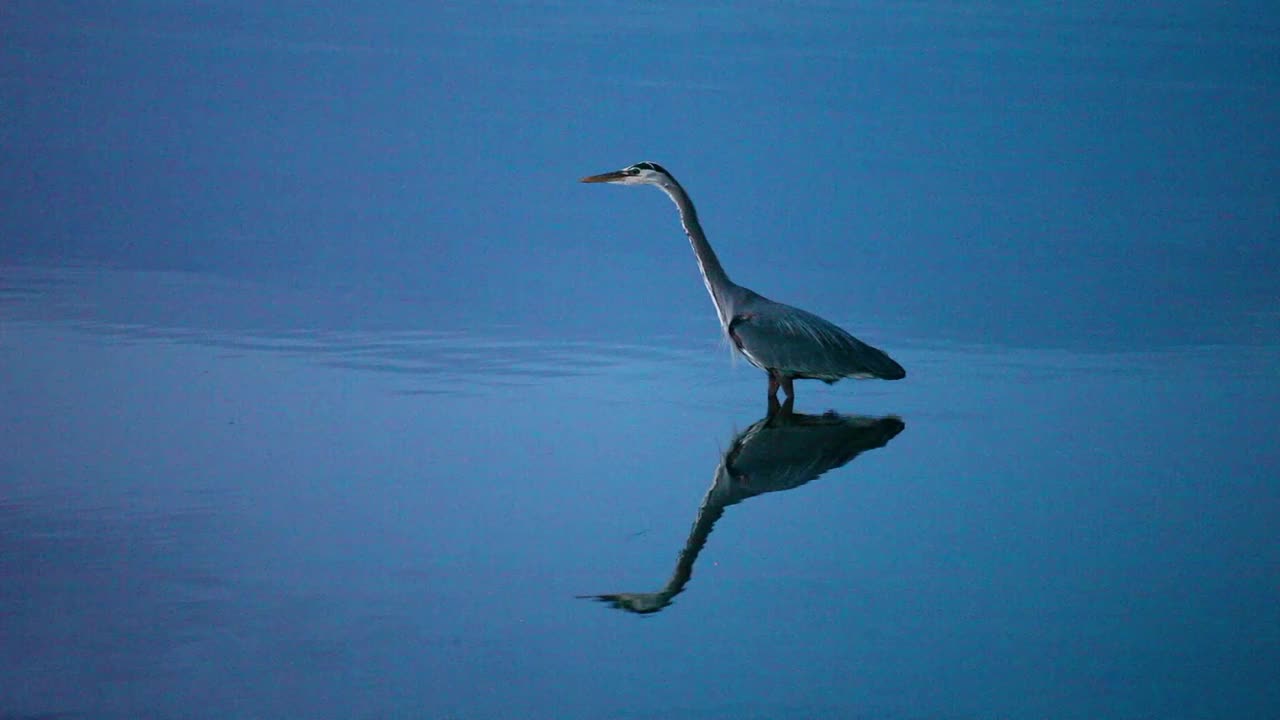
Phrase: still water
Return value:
(237, 517)
(327, 392)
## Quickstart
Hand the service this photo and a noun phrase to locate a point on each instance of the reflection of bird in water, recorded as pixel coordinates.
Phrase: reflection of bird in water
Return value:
(780, 452)
(786, 342)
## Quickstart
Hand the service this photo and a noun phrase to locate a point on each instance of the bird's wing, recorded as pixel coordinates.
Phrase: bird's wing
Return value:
(801, 344)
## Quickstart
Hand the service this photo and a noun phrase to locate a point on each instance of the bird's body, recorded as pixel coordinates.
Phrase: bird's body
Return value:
(786, 342)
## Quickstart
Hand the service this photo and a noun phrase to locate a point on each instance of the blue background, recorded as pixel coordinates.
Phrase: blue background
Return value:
(326, 387)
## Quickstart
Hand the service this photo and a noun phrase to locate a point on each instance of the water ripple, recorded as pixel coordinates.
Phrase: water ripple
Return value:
(106, 304)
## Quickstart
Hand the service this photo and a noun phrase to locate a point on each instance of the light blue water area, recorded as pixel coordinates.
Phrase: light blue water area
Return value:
(326, 391)
(204, 521)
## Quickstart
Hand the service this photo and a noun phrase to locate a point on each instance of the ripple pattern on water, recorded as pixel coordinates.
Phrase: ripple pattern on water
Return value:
(103, 304)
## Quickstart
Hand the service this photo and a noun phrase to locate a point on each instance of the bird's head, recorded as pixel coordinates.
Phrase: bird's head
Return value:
(642, 173)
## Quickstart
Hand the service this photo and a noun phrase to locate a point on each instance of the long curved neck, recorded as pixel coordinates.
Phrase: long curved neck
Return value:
(711, 510)
(713, 275)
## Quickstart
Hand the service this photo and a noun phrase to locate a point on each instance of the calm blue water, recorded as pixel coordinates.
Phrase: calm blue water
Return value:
(206, 520)
(327, 392)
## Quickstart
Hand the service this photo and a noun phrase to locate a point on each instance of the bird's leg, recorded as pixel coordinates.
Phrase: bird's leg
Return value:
(773, 386)
(774, 407)
(786, 388)
(780, 410)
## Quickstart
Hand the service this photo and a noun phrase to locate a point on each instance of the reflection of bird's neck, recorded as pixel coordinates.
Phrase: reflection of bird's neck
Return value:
(711, 510)
(713, 274)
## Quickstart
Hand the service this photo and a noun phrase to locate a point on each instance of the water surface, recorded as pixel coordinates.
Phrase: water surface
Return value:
(326, 391)
(206, 521)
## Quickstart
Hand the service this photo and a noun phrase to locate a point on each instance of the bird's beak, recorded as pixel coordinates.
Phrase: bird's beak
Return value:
(605, 177)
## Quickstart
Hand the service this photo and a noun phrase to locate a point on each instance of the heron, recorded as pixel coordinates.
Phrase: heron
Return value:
(786, 342)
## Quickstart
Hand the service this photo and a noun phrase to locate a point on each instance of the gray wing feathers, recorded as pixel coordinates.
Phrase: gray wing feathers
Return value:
(801, 344)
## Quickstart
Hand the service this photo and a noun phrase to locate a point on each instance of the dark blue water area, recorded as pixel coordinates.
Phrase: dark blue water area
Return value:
(222, 500)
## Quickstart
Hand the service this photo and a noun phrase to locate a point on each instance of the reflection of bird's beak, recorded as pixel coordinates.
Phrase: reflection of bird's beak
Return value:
(606, 177)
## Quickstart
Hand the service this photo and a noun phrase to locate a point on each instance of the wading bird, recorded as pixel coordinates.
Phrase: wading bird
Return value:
(786, 342)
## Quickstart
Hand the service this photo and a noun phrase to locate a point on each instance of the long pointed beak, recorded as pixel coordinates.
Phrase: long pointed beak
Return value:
(604, 177)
